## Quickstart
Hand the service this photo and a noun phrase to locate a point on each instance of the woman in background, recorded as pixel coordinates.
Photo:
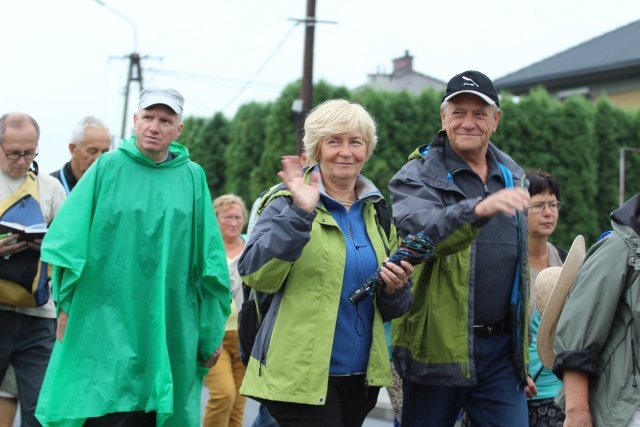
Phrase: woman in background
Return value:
(226, 405)
(544, 207)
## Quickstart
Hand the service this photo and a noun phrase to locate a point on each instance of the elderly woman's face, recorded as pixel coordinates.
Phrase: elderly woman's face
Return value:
(542, 224)
(231, 221)
(342, 156)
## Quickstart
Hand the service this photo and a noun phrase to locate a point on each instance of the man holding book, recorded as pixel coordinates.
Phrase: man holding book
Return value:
(27, 313)
(140, 280)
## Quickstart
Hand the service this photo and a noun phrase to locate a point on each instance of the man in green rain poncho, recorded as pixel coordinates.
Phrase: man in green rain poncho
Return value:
(141, 283)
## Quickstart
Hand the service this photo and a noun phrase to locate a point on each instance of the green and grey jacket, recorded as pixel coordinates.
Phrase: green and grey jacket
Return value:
(599, 328)
(433, 342)
(300, 256)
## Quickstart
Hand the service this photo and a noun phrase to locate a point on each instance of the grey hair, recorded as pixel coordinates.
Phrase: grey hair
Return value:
(88, 122)
(17, 121)
(336, 116)
(443, 108)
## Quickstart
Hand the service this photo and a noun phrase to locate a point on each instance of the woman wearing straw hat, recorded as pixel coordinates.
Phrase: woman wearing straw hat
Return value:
(598, 331)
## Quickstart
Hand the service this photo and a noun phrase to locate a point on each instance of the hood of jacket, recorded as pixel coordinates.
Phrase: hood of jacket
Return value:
(435, 171)
(130, 147)
(629, 214)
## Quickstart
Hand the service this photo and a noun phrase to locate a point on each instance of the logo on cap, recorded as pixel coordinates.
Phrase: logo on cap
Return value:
(473, 82)
(469, 80)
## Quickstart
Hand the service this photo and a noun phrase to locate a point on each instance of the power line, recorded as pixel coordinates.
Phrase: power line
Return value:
(208, 79)
(222, 39)
(262, 66)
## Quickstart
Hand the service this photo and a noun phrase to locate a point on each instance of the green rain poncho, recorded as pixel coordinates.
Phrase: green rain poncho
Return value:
(139, 266)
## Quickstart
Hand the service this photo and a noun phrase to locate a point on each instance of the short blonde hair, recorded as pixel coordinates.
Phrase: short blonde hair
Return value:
(334, 117)
(226, 201)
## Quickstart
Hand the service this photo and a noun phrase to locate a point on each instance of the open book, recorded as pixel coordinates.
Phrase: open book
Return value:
(28, 233)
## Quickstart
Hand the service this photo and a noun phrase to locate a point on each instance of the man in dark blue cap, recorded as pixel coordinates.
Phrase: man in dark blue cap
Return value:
(464, 342)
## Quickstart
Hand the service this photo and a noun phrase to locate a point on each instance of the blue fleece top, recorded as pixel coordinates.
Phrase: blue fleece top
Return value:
(353, 332)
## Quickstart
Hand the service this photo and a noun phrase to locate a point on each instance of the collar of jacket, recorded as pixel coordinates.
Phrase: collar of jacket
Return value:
(365, 189)
(435, 172)
(629, 214)
(129, 147)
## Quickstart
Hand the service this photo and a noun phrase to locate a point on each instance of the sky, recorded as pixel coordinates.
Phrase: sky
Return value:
(63, 60)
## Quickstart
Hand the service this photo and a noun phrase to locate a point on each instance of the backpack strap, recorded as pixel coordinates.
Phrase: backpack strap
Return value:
(273, 192)
(383, 212)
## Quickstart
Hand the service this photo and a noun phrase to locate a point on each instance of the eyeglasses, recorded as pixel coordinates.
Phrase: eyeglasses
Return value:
(16, 156)
(553, 207)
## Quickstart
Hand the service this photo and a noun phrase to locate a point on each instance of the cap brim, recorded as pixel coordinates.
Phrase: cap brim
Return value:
(154, 100)
(473, 92)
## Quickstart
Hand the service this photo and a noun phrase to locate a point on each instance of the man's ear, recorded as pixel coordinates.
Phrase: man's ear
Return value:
(180, 126)
(72, 147)
(498, 115)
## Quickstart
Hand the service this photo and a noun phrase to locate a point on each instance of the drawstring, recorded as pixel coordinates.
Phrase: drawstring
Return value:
(635, 363)
(260, 365)
(359, 321)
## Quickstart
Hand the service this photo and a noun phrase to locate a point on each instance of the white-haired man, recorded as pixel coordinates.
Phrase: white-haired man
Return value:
(90, 139)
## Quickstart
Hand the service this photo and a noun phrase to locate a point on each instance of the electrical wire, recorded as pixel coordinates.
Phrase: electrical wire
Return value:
(201, 78)
(242, 89)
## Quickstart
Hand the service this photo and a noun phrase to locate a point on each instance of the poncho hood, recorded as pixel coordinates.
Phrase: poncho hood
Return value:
(130, 147)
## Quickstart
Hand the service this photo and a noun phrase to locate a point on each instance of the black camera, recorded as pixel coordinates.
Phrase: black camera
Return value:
(361, 293)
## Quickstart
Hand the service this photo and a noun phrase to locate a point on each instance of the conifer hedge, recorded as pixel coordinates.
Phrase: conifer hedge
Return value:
(577, 140)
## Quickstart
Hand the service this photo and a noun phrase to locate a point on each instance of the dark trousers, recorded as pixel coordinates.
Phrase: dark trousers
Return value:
(26, 342)
(123, 419)
(497, 400)
(348, 402)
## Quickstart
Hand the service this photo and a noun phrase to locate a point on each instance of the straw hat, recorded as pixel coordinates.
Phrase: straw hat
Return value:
(552, 289)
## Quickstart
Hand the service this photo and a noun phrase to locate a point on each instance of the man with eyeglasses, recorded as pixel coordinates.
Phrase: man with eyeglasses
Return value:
(27, 318)
(90, 139)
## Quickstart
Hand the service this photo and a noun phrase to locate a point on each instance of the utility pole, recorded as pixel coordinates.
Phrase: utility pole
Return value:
(135, 74)
(135, 68)
(306, 89)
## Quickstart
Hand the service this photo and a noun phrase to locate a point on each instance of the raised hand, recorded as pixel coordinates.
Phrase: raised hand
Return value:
(508, 201)
(306, 196)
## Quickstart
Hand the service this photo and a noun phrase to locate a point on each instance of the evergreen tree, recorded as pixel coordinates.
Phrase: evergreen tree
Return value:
(192, 126)
(247, 143)
(210, 144)
(575, 140)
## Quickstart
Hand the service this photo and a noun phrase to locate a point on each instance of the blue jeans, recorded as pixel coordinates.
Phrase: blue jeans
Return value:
(264, 418)
(497, 400)
(26, 342)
